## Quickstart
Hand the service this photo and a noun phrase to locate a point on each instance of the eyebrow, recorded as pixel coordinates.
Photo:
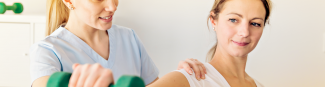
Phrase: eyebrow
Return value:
(235, 14)
(232, 13)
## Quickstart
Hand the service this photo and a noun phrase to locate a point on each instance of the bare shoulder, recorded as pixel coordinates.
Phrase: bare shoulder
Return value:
(172, 79)
(41, 82)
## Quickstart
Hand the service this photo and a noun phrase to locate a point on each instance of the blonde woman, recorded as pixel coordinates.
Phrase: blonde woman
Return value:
(239, 26)
(82, 39)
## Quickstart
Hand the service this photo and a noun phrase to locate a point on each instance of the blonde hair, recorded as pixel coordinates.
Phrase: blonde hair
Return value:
(217, 7)
(57, 14)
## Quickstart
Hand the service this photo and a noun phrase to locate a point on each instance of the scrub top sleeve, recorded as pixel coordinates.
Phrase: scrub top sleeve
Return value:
(149, 71)
(43, 62)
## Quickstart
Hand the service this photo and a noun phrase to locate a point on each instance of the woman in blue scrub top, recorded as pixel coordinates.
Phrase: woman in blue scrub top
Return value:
(82, 39)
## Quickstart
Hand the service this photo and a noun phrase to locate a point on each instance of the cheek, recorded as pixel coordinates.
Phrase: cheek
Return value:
(255, 37)
(88, 12)
(225, 32)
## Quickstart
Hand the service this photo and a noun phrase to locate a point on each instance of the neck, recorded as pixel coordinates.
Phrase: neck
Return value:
(229, 65)
(85, 32)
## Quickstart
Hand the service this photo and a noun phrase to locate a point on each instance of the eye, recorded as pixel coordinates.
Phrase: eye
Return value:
(233, 20)
(256, 24)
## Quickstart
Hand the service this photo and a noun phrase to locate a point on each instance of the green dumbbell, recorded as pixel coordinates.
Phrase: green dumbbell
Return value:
(61, 79)
(17, 8)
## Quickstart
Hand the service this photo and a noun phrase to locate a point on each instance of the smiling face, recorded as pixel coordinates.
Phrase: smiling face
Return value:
(95, 13)
(239, 26)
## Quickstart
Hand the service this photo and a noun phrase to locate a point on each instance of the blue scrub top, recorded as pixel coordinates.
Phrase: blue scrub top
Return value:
(60, 50)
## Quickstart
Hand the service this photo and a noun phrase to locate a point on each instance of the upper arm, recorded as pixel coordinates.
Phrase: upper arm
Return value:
(41, 82)
(172, 79)
(43, 62)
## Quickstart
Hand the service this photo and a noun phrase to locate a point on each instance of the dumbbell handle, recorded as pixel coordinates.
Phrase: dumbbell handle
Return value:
(10, 7)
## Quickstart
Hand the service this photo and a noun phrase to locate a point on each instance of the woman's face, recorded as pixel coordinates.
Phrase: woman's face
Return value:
(95, 13)
(239, 26)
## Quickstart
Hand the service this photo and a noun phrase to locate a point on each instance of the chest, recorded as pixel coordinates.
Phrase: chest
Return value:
(234, 82)
(102, 49)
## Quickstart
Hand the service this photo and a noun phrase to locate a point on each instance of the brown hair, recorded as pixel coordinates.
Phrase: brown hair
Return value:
(57, 14)
(217, 7)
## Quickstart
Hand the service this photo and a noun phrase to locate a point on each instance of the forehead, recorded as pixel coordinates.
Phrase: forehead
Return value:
(247, 8)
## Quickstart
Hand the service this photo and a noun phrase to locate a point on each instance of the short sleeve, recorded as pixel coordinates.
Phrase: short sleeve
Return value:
(43, 62)
(149, 71)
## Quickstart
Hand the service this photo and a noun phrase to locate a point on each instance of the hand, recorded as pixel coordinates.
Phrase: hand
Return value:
(90, 75)
(197, 66)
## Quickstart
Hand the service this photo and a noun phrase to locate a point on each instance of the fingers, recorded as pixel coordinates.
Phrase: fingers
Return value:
(83, 75)
(201, 71)
(184, 65)
(90, 76)
(195, 68)
(202, 74)
(202, 68)
(74, 65)
(75, 76)
(104, 79)
(202, 65)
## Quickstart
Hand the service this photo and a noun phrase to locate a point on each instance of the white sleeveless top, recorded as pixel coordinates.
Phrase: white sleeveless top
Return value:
(212, 79)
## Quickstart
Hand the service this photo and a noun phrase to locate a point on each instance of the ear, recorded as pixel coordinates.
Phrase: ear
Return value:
(212, 20)
(67, 3)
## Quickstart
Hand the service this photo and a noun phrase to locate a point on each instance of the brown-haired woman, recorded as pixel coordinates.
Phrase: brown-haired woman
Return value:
(239, 26)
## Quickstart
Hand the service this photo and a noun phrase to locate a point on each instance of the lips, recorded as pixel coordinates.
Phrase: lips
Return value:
(240, 43)
(106, 19)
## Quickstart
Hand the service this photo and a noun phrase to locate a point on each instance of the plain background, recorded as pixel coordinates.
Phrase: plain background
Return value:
(289, 54)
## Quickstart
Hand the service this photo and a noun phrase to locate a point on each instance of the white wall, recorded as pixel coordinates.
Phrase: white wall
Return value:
(288, 55)
(30, 6)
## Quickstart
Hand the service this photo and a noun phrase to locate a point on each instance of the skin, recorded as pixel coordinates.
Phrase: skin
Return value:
(85, 23)
(239, 21)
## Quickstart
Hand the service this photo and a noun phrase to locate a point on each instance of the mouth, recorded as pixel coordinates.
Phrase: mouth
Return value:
(240, 43)
(106, 18)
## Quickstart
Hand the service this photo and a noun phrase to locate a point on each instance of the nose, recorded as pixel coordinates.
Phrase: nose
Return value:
(243, 30)
(111, 5)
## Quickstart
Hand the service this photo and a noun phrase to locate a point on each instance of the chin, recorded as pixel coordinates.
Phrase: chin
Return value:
(105, 27)
(239, 54)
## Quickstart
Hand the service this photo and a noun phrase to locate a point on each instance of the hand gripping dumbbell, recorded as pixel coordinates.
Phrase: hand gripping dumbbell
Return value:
(17, 8)
(61, 79)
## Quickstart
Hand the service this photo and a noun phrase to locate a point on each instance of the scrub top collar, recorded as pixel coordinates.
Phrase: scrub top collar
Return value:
(80, 44)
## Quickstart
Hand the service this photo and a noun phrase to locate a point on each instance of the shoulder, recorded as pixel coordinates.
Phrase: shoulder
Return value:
(172, 79)
(50, 43)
